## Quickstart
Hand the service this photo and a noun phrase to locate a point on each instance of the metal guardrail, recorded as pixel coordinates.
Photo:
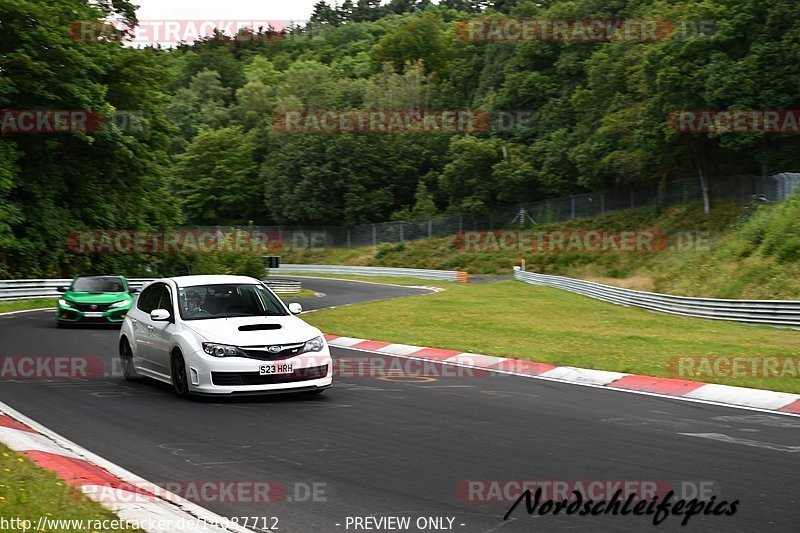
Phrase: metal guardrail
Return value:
(449, 275)
(780, 313)
(19, 289)
(283, 286)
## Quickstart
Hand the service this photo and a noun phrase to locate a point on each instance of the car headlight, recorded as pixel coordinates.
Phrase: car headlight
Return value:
(221, 350)
(63, 303)
(314, 345)
(123, 303)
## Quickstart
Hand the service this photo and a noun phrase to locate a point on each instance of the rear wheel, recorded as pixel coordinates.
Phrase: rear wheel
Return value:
(126, 359)
(179, 381)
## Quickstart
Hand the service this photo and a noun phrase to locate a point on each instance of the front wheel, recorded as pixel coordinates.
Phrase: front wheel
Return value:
(179, 381)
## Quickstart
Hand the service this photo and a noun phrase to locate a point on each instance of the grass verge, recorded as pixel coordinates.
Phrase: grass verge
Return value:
(304, 293)
(542, 324)
(29, 492)
(732, 252)
(21, 305)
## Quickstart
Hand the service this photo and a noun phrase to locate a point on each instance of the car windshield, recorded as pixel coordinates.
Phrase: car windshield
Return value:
(228, 301)
(98, 284)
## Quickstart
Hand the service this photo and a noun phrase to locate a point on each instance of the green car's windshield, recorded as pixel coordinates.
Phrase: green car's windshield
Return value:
(98, 284)
(228, 301)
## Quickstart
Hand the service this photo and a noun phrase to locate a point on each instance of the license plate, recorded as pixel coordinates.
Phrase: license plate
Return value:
(275, 368)
(93, 314)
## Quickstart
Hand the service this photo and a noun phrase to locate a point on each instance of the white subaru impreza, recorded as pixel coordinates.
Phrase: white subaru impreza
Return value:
(222, 335)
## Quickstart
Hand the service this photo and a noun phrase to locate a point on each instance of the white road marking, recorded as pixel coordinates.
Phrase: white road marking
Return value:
(744, 442)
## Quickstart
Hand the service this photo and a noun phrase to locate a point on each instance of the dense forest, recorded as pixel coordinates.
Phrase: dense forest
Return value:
(206, 147)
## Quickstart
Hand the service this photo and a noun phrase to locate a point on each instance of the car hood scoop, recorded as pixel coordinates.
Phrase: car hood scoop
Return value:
(259, 327)
(252, 331)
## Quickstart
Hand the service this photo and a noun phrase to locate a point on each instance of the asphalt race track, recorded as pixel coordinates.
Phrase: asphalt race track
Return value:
(405, 447)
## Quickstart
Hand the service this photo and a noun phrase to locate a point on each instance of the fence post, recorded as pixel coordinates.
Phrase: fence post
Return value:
(430, 228)
(572, 207)
(348, 238)
(633, 204)
(401, 232)
(374, 236)
(602, 203)
(460, 224)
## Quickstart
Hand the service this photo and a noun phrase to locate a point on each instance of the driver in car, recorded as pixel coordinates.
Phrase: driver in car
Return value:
(193, 303)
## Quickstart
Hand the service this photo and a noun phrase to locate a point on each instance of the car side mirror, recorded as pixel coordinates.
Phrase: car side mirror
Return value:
(159, 315)
(61, 289)
(295, 308)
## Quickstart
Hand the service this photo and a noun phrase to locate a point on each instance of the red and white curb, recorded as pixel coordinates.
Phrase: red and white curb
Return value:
(133, 499)
(756, 399)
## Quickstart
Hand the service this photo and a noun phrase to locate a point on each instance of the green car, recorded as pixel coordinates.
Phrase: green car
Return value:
(95, 300)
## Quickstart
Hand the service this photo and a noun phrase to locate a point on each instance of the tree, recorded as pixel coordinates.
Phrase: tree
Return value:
(307, 84)
(217, 178)
(465, 177)
(201, 105)
(254, 104)
(263, 70)
(323, 14)
(468, 6)
(402, 7)
(367, 10)
(108, 176)
(9, 214)
(418, 38)
(413, 89)
(424, 205)
(504, 6)
(344, 12)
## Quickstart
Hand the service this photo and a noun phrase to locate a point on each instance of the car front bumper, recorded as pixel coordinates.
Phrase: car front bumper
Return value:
(240, 375)
(69, 315)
